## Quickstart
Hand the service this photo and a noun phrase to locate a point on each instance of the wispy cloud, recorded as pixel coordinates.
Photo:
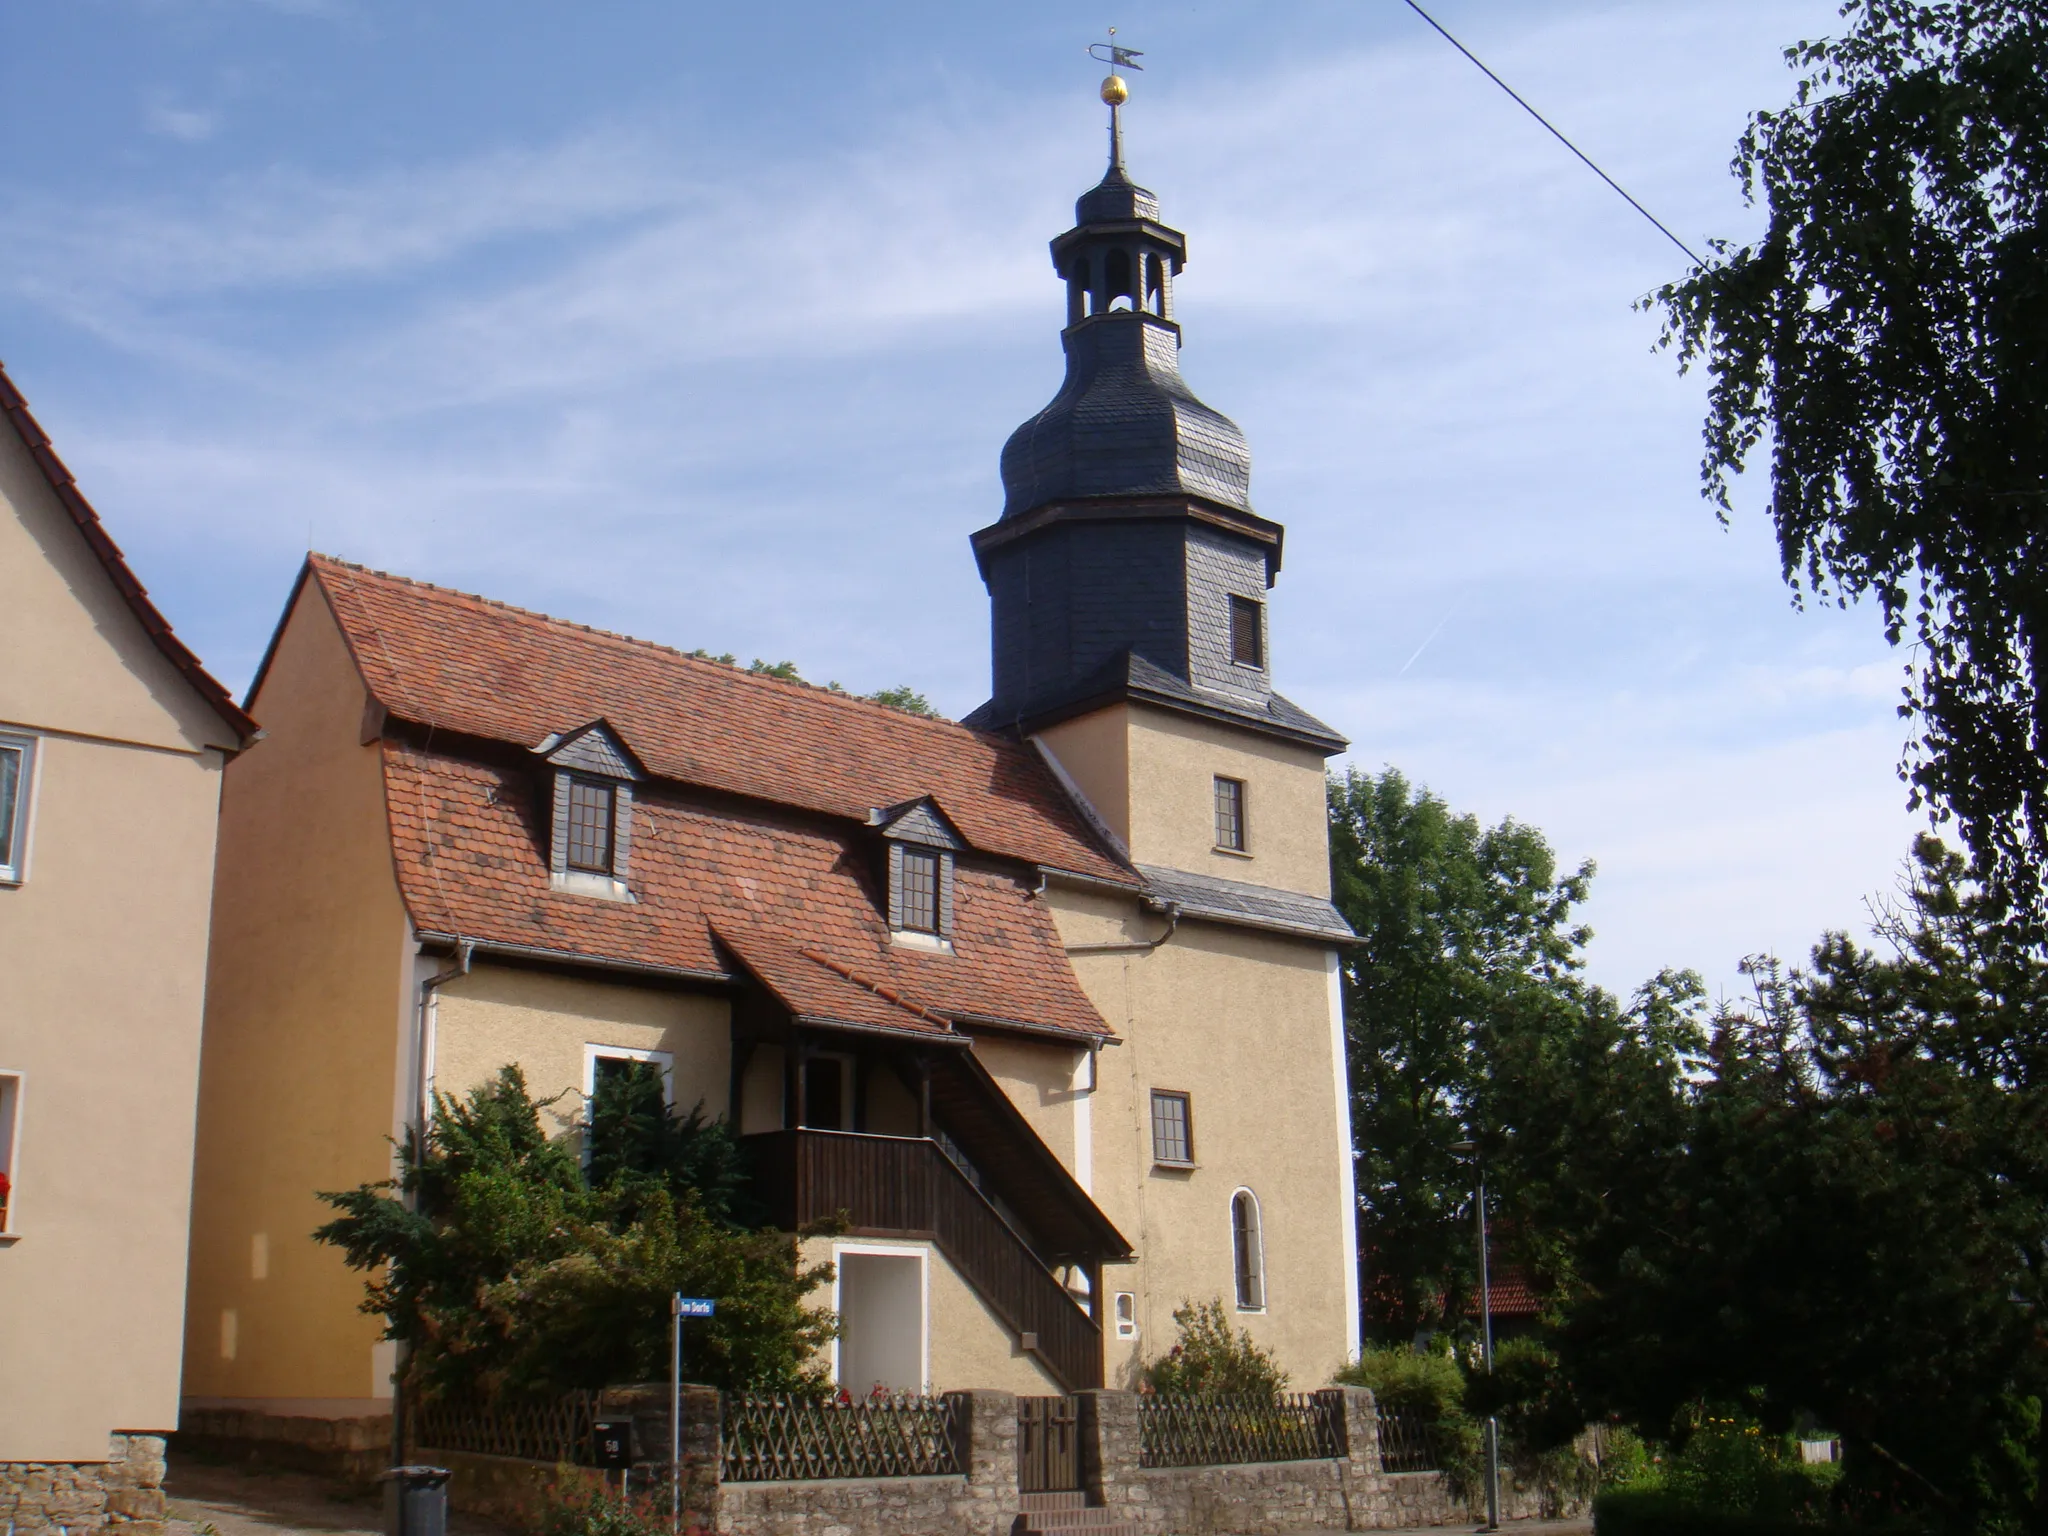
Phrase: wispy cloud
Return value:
(188, 125)
(780, 388)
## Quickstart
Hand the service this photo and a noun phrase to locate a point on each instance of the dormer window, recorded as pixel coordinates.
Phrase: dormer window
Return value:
(589, 779)
(920, 847)
(592, 808)
(921, 890)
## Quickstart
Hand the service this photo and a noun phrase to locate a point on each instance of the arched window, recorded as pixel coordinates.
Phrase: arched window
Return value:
(1248, 1245)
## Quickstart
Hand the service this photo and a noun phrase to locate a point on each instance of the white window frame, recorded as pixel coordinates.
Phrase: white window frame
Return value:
(1125, 1311)
(923, 1255)
(1258, 1250)
(16, 873)
(10, 1150)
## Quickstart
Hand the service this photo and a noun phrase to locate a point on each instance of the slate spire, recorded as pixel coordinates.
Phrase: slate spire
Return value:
(1127, 562)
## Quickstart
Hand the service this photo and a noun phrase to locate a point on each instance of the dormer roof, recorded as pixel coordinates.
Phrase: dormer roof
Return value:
(595, 749)
(919, 821)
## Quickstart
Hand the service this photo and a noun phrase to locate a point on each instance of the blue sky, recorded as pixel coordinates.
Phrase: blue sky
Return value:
(707, 324)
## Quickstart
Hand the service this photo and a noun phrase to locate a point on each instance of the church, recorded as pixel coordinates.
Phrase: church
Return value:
(1045, 1002)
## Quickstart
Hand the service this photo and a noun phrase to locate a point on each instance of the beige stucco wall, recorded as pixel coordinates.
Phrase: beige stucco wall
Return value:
(1038, 1077)
(1241, 1022)
(1151, 776)
(103, 948)
(309, 1044)
(969, 1346)
(500, 1015)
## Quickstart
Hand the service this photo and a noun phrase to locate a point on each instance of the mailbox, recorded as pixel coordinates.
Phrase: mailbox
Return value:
(611, 1442)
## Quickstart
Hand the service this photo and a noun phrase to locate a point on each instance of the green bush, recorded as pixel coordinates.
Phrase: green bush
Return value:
(1430, 1384)
(574, 1504)
(1209, 1361)
(1626, 1462)
(513, 1273)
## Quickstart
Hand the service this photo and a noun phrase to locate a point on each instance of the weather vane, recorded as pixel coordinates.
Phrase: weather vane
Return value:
(1114, 92)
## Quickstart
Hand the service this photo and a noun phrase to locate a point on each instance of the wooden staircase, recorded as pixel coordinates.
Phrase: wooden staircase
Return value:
(1044, 1514)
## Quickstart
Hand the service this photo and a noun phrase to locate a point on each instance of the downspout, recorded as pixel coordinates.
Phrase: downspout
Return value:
(423, 1062)
(1170, 910)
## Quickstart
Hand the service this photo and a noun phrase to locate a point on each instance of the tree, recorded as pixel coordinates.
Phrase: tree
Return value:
(1884, 338)
(1849, 1218)
(507, 1271)
(1455, 924)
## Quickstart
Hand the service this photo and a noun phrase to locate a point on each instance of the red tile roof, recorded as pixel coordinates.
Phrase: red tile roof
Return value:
(790, 900)
(457, 662)
(1509, 1293)
(14, 406)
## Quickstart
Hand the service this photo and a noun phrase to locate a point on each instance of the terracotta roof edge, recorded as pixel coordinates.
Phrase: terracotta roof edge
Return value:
(635, 642)
(64, 486)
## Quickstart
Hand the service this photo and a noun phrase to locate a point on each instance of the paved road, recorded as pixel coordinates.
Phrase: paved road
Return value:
(238, 1503)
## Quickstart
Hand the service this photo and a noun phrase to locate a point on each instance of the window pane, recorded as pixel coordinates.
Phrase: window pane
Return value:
(1230, 814)
(1171, 1142)
(1244, 1223)
(10, 793)
(590, 826)
(1245, 647)
(920, 890)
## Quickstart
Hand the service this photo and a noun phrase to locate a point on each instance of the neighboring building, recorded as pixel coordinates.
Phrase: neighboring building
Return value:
(1047, 1001)
(112, 741)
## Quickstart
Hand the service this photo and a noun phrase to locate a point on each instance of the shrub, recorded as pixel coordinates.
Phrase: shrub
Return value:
(1430, 1384)
(576, 1504)
(1209, 1361)
(510, 1273)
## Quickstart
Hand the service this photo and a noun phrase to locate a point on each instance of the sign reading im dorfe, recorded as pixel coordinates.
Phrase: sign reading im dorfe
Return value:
(695, 1306)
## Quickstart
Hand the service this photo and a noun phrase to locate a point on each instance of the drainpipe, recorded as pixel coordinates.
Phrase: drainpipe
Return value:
(423, 1061)
(1170, 910)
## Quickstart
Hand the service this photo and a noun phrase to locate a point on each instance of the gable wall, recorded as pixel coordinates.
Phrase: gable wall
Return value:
(308, 1053)
(76, 658)
(103, 950)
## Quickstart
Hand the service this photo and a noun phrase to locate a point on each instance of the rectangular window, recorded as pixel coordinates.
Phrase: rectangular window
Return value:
(1173, 1138)
(1247, 631)
(10, 1118)
(590, 826)
(17, 760)
(1126, 1314)
(920, 890)
(1230, 814)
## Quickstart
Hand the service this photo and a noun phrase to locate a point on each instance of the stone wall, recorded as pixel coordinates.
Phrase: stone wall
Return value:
(125, 1492)
(351, 1450)
(1347, 1492)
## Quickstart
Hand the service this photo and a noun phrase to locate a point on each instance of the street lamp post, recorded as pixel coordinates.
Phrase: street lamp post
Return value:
(1471, 1149)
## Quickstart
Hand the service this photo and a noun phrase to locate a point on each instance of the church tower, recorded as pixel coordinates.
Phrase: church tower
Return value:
(1127, 579)
(1128, 563)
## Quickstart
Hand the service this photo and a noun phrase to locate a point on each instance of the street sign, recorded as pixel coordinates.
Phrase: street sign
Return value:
(611, 1442)
(695, 1306)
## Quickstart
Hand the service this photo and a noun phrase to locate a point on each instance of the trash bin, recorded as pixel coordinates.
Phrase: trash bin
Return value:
(416, 1501)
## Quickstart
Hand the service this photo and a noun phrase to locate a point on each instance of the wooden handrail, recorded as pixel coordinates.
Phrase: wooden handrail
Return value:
(907, 1185)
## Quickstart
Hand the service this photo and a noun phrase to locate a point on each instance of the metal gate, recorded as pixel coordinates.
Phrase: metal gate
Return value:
(1048, 1445)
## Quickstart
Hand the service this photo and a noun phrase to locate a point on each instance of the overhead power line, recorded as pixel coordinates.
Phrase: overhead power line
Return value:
(1567, 143)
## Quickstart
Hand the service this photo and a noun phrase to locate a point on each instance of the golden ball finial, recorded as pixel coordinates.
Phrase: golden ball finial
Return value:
(1115, 92)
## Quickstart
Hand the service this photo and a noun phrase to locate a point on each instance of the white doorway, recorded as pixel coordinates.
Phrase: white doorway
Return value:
(882, 1333)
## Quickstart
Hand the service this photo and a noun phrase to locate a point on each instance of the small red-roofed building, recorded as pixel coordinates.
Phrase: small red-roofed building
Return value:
(1045, 1001)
